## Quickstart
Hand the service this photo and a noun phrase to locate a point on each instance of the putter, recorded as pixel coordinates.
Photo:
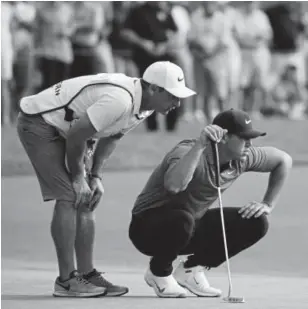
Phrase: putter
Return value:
(229, 298)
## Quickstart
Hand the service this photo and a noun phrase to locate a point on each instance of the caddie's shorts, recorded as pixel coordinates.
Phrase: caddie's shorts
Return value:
(46, 150)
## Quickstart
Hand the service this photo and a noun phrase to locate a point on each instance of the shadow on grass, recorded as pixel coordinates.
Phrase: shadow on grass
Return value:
(25, 297)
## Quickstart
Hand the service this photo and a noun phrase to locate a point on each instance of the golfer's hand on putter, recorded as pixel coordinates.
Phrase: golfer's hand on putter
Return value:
(97, 191)
(254, 209)
(213, 133)
(82, 190)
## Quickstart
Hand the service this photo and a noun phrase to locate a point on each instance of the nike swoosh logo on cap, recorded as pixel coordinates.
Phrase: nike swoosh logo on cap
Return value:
(247, 121)
(180, 79)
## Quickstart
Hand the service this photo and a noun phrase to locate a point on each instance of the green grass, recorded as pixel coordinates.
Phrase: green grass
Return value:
(142, 150)
(270, 275)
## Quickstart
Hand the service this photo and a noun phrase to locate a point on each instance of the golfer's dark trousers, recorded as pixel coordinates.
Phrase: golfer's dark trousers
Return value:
(165, 233)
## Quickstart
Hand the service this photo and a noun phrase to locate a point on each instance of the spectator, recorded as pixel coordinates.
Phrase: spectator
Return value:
(253, 33)
(289, 94)
(6, 62)
(209, 43)
(148, 28)
(305, 39)
(105, 54)
(288, 31)
(87, 45)
(23, 68)
(122, 51)
(233, 54)
(53, 30)
(183, 57)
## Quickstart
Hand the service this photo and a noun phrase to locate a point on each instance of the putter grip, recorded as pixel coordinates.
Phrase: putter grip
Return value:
(214, 147)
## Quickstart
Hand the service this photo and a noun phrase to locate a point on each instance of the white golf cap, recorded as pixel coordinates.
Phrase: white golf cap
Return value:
(169, 76)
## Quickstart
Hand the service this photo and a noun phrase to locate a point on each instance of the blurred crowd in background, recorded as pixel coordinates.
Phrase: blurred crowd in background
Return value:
(250, 55)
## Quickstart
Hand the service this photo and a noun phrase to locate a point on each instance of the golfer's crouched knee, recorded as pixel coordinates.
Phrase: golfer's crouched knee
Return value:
(156, 231)
(260, 226)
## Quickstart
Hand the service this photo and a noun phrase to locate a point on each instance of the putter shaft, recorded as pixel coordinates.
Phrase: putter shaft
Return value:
(229, 298)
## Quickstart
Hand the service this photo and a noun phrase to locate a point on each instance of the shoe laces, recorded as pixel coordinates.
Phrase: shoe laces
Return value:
(81, 280)
(98, 275)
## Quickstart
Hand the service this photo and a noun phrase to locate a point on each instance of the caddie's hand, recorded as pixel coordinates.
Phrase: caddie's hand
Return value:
(254, 209)
(97, 190)
(82, 190)
(213, 133)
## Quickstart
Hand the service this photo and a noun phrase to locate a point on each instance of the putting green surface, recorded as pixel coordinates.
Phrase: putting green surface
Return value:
(272, 274)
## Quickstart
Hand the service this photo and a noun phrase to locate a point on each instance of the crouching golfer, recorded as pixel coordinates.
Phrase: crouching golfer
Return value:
(55, 126)
(171, 216)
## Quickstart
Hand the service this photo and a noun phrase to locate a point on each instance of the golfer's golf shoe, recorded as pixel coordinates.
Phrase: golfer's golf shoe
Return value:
(195, 281)
(164, 286)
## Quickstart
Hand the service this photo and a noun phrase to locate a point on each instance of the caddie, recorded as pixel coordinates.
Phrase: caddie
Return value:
(56, 125)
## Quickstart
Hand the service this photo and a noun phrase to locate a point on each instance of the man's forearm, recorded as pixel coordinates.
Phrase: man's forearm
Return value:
(104, 148)
(75, 158)
(276, 180)
(131, 37)
(179, 176)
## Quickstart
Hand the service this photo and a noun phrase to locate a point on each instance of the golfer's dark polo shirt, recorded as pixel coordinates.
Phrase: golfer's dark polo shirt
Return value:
(200, 193)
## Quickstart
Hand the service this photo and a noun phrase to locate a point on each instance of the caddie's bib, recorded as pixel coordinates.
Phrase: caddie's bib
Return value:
(81, 94)
(62, 94)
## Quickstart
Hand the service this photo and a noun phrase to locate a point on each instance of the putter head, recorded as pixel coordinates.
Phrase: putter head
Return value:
(234, 300)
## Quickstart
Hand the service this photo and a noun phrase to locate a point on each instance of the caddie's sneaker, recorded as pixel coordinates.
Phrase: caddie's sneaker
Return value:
(164, 286)
(97, 279)
(77, 286)
(194, 280)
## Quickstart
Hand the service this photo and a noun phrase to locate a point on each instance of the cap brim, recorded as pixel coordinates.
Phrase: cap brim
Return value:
(251, 134)
(181, 92)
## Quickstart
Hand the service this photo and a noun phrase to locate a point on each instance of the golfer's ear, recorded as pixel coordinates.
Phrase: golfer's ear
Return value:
(153, 89)
(225, 138)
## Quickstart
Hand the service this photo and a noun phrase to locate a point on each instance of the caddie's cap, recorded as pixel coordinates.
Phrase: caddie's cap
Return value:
(168, 76)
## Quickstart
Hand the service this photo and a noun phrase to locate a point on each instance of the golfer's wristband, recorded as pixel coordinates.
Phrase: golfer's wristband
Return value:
(96, 176)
